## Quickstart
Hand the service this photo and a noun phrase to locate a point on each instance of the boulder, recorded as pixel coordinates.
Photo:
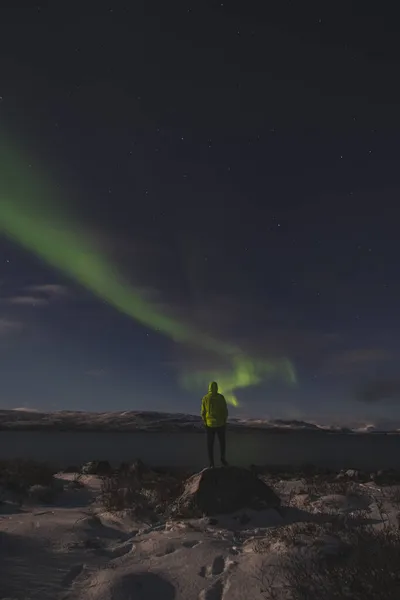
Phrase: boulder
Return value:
(225, 490)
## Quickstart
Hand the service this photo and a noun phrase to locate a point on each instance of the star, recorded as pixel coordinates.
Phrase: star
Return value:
(232, 104)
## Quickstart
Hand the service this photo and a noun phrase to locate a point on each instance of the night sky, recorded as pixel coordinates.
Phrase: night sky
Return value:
(238, 162)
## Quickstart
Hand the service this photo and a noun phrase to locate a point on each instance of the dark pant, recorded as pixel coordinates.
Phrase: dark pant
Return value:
(220, 431)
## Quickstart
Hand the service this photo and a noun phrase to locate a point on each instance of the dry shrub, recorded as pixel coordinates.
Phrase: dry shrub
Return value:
(393, 495)
(317, 487)
(153, 493)
(295, 535)
(20, 475)
(120, 492)
(368, 572)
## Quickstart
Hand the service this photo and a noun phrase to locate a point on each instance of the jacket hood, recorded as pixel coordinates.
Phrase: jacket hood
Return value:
(213, 387)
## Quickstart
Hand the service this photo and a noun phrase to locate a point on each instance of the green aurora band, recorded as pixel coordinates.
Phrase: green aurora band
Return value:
(29, 217)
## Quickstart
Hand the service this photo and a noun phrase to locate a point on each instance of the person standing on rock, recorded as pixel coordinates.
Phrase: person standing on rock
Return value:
(214, 412)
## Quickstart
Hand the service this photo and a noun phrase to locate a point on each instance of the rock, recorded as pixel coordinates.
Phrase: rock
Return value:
(301, 500)
(137, 468)
(42, 493)
(352, 473)
(97, 467)
(348, 474)
(226, 490)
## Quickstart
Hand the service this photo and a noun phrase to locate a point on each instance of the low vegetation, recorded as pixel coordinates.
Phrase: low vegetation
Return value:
(20, 475)
(360, 563)
(150, 494)
(368, 570)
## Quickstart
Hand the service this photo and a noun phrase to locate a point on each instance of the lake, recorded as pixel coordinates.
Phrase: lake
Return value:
(188, 449)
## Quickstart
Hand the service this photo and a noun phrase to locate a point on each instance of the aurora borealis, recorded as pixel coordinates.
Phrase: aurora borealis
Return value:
(196, 192)
(31, 216)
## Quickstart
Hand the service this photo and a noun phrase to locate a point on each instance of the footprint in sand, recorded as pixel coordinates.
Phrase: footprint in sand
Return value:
(170, 549)
(218, 591)
(72, 574)
(167, 550)
(122, 549)
(191, 543)
(218, 566)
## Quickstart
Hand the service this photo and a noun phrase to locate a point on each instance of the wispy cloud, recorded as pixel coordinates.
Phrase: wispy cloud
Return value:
(37, 295)
(49, 289)
(8, 326)
(27, 301)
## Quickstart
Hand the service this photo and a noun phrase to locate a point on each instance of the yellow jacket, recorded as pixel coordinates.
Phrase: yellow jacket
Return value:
(214, 410)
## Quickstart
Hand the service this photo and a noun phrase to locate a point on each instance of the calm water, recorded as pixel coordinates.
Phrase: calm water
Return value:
(188, 449)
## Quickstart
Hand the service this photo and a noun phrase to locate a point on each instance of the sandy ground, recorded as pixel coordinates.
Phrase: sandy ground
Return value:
(73, 550)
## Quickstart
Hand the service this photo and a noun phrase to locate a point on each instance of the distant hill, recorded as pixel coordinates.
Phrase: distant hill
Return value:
(29, 420)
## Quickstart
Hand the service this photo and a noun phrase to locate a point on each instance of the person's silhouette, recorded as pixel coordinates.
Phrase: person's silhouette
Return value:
(214, 412)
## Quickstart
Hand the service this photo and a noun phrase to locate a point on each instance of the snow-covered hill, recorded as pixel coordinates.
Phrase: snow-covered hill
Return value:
(24, 419)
